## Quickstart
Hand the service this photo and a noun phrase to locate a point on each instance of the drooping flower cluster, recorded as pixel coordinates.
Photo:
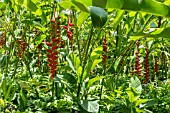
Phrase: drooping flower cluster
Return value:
(138, 63)
(104, 50)
(69, 30)
(2, 39)
(21, 48)
(146, 66)
(53, 45)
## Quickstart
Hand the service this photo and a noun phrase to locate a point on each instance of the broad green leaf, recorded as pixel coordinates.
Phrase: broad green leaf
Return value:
(133, 96)
(157, 33)
(95, 62)
(135, 83)
(23, 97)
(76, 60)
(99, 3)
(86, 2)
(96, 53)
(39, 26)
(79, 73)
(3, 60)
(82, 17)
(4, 85)
(98, 16)
(116, 64)
(2, 6)
(65, 4)
(81, 6)
(8, 92)
(93, 80)
(2, 103)
(39, 39)
(140, 101)
(149, 103)
(148, 6)
(90, 106)
(28, 4)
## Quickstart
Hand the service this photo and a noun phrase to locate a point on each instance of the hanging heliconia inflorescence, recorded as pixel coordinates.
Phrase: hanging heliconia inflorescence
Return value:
(104, 50)
(69, 31)
(2, 40)
(146, 66)
(138, 63)
(53, 44)
(21, 48)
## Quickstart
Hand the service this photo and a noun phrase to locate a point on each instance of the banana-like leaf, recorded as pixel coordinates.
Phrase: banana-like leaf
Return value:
(158, 33)
(148, 6)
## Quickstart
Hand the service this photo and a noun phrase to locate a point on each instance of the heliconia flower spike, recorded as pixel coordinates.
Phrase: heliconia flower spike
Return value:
(53, 46)
(147, 75)
(138, 64)
(104, 50)
(69, 31)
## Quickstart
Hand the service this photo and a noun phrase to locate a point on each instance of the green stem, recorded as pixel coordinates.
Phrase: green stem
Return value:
(85, 60)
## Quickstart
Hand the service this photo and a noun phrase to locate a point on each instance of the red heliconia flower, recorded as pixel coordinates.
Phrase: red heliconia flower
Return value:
(53, 46)
(22, 47)
(69, 31)
(138, 63)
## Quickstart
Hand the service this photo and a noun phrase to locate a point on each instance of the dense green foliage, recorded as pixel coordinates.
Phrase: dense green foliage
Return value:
(81, 56)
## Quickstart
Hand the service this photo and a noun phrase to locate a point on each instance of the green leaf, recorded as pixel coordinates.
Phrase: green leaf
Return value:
(132, 94)
(71, 64)
(8, 92)
(157, 33)
(70, 78)
(81, 6)
(3, 85)
(90, 106)
(39, 39)
(65, 4)
(86, 2)
(116, 64)
(149, 103)
(95, 63)
(96, 53)
(118, 18)
(3, 60)
(140, 101)
(2, 6)
(148, 6)
(23, 97)
(93, 80)
(99, 3)
(135, 83)
(98, 16)
(79, 72)
(81, 18)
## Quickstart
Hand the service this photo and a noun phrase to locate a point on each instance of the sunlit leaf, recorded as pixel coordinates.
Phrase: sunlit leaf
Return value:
(90, 106)
(93, 80)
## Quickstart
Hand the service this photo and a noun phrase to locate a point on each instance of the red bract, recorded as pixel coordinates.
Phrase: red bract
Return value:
(147, 75)
(104, 50)
(69, 32)
(138, 64)
(53, 46)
